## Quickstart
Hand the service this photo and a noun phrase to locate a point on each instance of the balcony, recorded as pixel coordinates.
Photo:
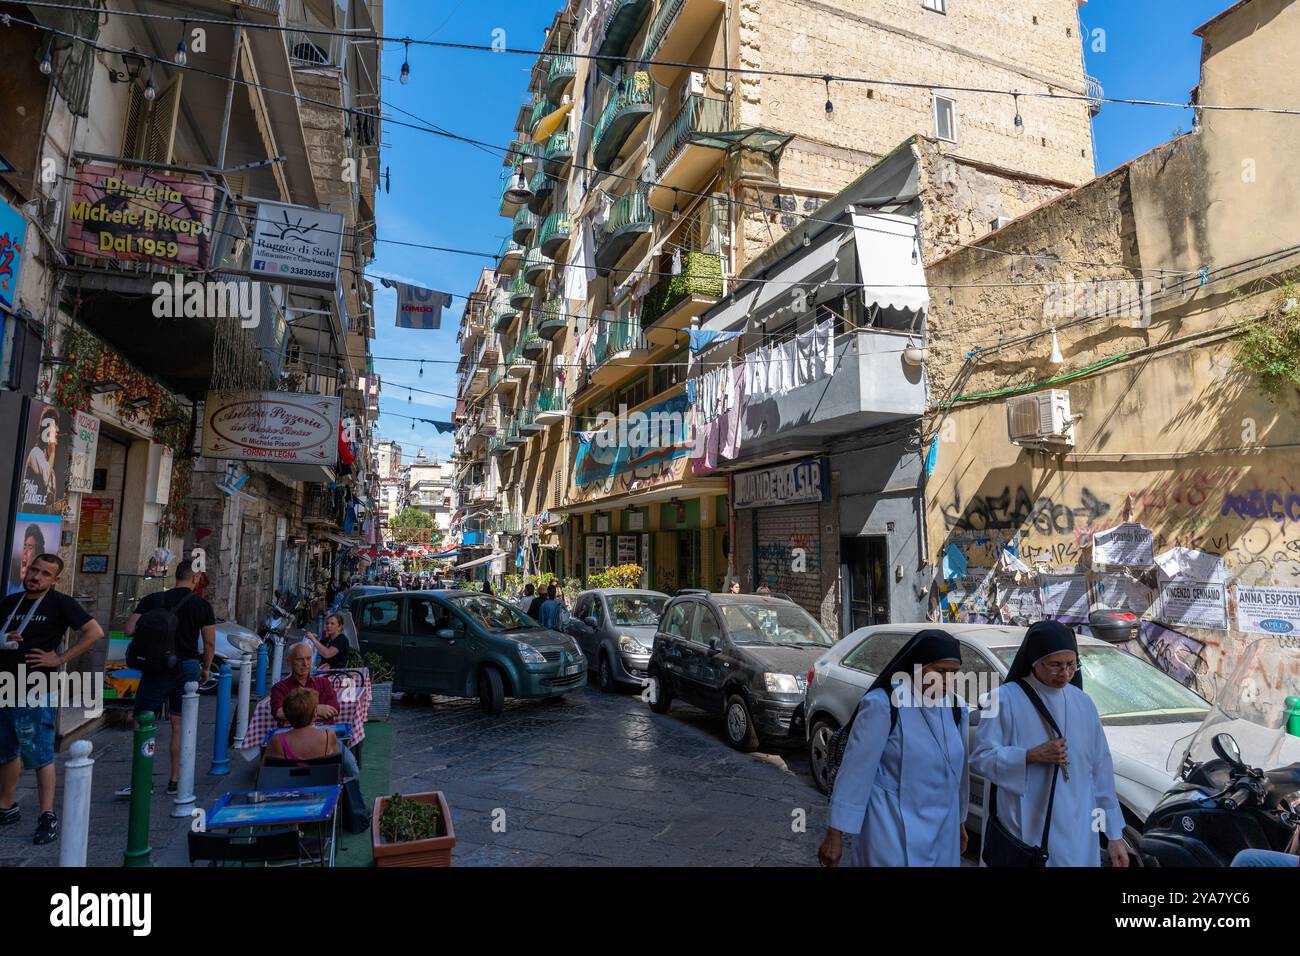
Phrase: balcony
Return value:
(517, 366)
(540, 108)
(503, 316)
(674, 299)
(559, 153)
(528, 424)
(871, 386)
(543, 188)
(508, 205)
(630, 103)
(471, 539)
(318, 508)
(511, 256)
(555, 234)
(616, 346)
(552, 406)
(521, 293)
(525, 222)
(629, 220)
(515, 436)
(499, 444)
(501, 383)
(508, 523)
(554, 319)
(688, 150)
(534, 346)
(622, 24)
(676, 32)
(535, 267)
(564, 67)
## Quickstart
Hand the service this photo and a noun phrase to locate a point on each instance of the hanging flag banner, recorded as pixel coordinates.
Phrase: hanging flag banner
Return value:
(283, 427)
(13, 242)
(701, 339)
(1268, 610)
(140, 215)
(297, 245)
(418, 308)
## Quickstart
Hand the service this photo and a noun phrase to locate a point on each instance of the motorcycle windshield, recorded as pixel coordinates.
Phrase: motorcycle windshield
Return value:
(1253, 706)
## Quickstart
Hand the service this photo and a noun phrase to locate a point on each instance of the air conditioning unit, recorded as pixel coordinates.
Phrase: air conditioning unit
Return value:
(695, 85)
(1041, 418)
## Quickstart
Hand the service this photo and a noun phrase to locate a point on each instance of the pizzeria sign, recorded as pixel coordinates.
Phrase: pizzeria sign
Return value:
(276, 427)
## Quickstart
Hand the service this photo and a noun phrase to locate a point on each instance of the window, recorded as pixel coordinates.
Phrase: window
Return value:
(634, 394)
(672, 372)
(582, 610)
(635, 610)
(875, 652)
(773, 623)
(706, 627)
(945, 118)
(495, 615)
(382, 616)
(429, 617)
(679, 619)
(938, 6)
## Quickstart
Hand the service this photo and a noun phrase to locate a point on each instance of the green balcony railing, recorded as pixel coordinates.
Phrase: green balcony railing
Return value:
(698, 115)
(503, 316)
(555, 233)
(564, 67)
(535, 265)
(508, 524)
(701, 275)
(542, 186)
(634, 94)
(552, 399)
(622, 21)
(541, 106)
(521, 292)
(621, 336)
(630, 210)
(559, 150)
(525, 222)
(660, 26)
(553, 318)
(533, 345)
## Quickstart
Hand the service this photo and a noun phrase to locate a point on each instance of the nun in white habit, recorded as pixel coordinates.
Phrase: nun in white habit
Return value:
(903, 784)
(1016, 750)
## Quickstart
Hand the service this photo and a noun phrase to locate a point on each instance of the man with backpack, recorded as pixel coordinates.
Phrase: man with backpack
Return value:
(173, 637)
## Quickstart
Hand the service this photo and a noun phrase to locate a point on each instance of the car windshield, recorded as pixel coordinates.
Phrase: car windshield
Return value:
(773, 624)
(1124, 687)
(494, 614)
(635, 610)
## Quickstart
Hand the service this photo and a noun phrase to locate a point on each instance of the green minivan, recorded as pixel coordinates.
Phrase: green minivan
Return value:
(467, 644)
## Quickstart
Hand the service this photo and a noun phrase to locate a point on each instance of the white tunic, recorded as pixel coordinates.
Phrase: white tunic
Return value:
(904, 793)
(998, 754)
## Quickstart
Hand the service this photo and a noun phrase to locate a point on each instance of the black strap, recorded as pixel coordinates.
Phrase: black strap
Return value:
(177, 606)
(1056, 768)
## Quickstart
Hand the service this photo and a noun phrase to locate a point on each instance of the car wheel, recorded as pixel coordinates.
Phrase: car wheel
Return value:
(819, 742)
(605, 675)
(491, 693)
(740, 726)
(657, 693)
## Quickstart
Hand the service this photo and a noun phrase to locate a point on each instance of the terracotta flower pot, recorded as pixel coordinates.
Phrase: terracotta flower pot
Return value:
(434, 852)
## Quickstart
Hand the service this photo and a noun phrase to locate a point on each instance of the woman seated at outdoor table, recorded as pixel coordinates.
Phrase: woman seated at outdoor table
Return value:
(303, 741)
(334, 649)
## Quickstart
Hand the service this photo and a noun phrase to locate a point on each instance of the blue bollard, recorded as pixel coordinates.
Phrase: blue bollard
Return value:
(262, 664)
(220, 754)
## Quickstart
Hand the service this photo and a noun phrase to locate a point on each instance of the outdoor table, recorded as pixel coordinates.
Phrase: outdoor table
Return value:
(306, 806)
(352, 685)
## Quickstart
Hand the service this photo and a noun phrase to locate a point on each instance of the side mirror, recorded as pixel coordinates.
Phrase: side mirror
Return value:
(589, 621)
(715, 647)
(446, 633)
(1226, 747)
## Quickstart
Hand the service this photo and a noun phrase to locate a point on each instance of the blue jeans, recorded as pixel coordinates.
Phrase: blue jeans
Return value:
(1265, 858)
(27, 732)
(161, 693)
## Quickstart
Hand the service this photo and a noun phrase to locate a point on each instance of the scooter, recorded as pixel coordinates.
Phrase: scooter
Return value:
(1224, 802)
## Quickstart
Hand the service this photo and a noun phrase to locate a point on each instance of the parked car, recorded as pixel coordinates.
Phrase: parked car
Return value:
(358, 591)
(1143, 710)
(741, 656)
(466, 644)
(615, 627)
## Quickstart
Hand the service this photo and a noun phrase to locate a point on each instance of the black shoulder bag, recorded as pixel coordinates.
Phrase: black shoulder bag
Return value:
(1002, 848)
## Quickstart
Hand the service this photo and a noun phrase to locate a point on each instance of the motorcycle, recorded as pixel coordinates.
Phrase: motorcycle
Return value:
(277, 620)
(1224, 802)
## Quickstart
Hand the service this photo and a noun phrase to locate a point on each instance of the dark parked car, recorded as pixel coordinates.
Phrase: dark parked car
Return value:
(466, 644)
(742, 656)
(615, 627)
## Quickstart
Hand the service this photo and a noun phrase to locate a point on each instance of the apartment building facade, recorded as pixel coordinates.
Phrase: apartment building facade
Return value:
(664, 150)
(154, 154)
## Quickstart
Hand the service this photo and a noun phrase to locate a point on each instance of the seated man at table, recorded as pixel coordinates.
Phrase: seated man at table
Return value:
(305, 741)
(300, 675)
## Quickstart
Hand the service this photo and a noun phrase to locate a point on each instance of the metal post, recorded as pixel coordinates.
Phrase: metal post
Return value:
(245, 691)
(220, 755)
(277, 659)
(76, 806)
(262, 664)
(137, 833)
(189, 750)
(230, 94)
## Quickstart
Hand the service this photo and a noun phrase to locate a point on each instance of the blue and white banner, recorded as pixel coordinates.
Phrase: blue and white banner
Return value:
(418, 308)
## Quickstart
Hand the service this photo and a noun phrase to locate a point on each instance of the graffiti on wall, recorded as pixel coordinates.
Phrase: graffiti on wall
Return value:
(800, 553)
(1018, 509)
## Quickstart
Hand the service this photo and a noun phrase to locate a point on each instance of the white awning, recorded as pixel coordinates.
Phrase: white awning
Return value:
(891, 277)
(477, 561)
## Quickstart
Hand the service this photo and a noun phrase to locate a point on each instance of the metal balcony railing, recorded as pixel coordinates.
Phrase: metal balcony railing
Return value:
(552, 399)
(310, 49)
(634, 92)
(660, 26)
(630, 210)
(622, 336)
(521, 292)
(564, 67)
(555, 233)
(699, 114)
(535, 265)
(701, 275)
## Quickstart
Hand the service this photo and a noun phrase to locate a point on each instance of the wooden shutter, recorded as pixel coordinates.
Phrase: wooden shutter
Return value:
(137, 117)
(160, 138)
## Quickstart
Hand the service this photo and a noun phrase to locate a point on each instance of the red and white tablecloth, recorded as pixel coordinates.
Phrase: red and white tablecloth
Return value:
(352, 686)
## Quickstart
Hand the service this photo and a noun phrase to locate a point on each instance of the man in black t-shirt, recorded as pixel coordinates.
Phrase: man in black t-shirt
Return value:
(34, 623)
(196, 642)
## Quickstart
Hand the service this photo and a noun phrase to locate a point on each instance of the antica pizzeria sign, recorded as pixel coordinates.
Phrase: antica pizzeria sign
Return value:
(140, 215)
(283, 427)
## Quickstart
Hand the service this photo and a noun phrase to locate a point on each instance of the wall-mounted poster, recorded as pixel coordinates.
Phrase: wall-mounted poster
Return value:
(1194, 604)
(94, 564)
(42, 488)
(1066, 596)
(1127, 545)
(627, 549)
(95, 529)
(1268, 610)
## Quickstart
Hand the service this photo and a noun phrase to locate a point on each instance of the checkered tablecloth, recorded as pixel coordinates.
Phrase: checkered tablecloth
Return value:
(352, 686)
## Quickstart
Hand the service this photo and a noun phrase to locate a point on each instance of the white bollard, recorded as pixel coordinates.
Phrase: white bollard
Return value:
(189, 750)
(76, 806)
(277, 659)
(245, 692)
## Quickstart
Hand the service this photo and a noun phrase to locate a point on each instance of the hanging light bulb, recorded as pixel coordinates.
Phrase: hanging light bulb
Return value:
(150, 91)
(182, 57)
(807, 239)
(347, 134)
(677, 210)
(830, 107)
(421, 369)
(1056, 358)
(405, 76)
(47, 67)
(1020, 122)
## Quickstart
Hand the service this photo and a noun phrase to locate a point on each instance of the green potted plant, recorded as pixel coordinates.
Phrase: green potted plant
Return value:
(381, 686)
(412, 829)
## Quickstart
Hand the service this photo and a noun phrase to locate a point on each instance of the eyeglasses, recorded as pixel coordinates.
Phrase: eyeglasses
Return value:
(1058, 668)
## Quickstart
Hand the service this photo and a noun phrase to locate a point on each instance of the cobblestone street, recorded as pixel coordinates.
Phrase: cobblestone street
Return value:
(600, 780)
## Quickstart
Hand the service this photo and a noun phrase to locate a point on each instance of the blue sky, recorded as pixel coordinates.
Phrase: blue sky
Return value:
(444, 192)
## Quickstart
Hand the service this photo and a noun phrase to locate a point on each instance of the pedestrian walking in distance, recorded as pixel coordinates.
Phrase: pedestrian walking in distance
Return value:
(903, 784)
(1042, 743)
